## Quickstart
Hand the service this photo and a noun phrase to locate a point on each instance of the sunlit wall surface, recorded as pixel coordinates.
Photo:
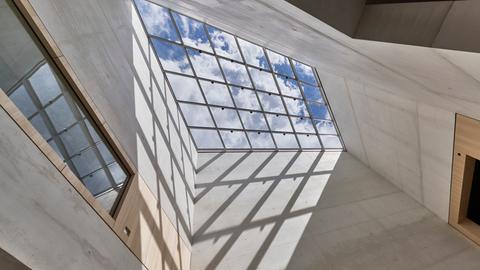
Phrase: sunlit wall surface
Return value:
(234, 94)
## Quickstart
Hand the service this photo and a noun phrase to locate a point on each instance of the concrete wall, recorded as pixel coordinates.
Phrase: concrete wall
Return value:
(108, 50)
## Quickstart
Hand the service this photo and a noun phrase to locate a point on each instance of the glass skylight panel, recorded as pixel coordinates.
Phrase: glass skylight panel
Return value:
(234, 139)
(39, 124)
(235, 73)
(192, 32)
(216, 93)
(224, 43)
(157, 20)
(172, 56)
(45, 85)
(239, 95)
(60, 114)
(253, 54)
(280, 64)
(185, 88)
(23, 101)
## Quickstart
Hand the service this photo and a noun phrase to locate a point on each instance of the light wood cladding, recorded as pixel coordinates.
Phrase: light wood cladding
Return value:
(466, 150)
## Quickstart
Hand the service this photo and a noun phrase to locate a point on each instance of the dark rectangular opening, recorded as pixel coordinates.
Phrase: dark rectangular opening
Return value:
(473, 212)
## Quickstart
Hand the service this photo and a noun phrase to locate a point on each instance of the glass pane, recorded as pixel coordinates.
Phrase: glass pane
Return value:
(302, 125)
(86, 162)
(118, 174)
(296, 107)
(61, 115)
(253, 54)
(253, 120)
(216, 93)
(196, 115)
(331, 141)
(224, 43)
(206, 138)
(304, 72)
(309, 141)
(325, 127)
(288, 87)
(107, 200)
(185, 88)
(319, 111)
(157, 20)
(263, 80)
(234, 139)
(40, 126)
(261, 140)
(226, 118)
(54, 145)
(97, 182)
(172, 56)
(74, 139)
(280, 64)
(235, 73)
(285, 140)
(271, 103)
(245, 99)
(279, 122)
(45, 84)
(105, 153)
(92, 131)
(192, 32)
(205, 65)
(22, 100)
(312, 93)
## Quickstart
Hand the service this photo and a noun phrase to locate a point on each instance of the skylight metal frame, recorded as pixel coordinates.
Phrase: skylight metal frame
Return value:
(229, 85)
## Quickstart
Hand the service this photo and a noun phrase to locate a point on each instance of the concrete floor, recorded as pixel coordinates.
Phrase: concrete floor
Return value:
(318, 211)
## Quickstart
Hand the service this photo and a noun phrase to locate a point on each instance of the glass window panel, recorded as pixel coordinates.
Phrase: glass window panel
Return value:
(157, 20)
(206, 138)
(253, 120)
(205, 65)
(312, 93)
(60, 113)
(196, 115)
(280, 64)
(45, 84)
(304, 72)
(74, 139)
(22, 100)
(271, 103)
(279, 122)
(301, 124)
(235, 73)
(86, 162)
(308, 141)
(296, 107)
(192, 32)
(288, 87)
(253, 54)
(325, 127)
(93, 132)
(117, 172)
(224, 43)
(107, 200)
(39, 124)
(245, 99)
(185, 88)
(216, 93)
(97, 182)
(319, 111)
(263, 80)
(234, 139)
(55, 147)
(331, 141)
(261, 140)
(105, 153)
(172, 56)
(285, 140)
(226, 118)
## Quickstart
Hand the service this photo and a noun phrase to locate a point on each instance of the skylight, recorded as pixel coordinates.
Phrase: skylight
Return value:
(234, 94)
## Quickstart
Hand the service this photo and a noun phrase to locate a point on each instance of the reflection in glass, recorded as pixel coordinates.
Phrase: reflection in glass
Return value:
(234, 139)
(319, 111)
(196, 115)
(206, 138)
(226, 118)
(296, 107)
(325, 127)
(288, 87)
(192, 32)
(253, 54)
(172, 56)
(224, 43)
(205, 65)
(263, 80)
(253, 120)
(331, 141)
(216, 93)
(304, 72)
(235, 73)
(278, 122)
(261, 140)
(271, 103)
(312, 93)
(245, 99)
(308, 141)
(301, 124)
(285, 140)
(157, 20)
(185, 88)
(280, 64)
